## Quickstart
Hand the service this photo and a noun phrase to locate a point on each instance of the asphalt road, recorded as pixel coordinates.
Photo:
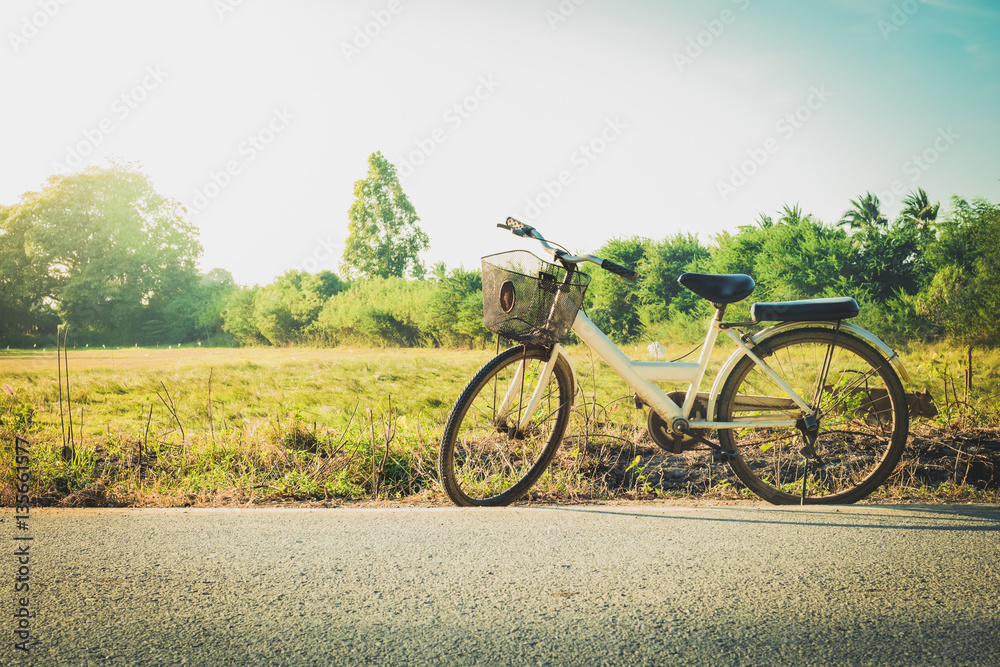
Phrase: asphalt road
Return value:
(577, 585)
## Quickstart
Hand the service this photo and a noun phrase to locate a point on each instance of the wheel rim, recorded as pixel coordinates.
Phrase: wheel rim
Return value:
(860, 421)
(493, 461)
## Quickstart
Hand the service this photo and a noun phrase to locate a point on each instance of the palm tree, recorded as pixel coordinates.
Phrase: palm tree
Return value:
(918, 211)
(792, 215)
(866, 213)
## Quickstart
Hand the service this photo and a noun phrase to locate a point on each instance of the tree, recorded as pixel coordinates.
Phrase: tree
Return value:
(886, 259)
(737, 253)
(238, 316)
(614, 300)
(918, 211)
(197, 313)
(887, 262)
(963, 299)
(328, 284)
(764, 220)
(662, 263)
(285, 309)
(105, 251)
(23, 311)
(964, 237)
(456, 309)
(792, 215)
(383, 237)
(802, 259)
(381, 311)
(865, 213)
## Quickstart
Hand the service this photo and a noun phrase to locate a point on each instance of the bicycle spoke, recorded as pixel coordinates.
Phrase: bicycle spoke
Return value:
(861, 423)
(485, 457)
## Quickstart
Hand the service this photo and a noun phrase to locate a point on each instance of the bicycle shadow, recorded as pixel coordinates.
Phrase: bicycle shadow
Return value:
(963, 518)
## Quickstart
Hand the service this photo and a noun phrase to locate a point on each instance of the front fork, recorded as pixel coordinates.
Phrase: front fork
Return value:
(516, 393)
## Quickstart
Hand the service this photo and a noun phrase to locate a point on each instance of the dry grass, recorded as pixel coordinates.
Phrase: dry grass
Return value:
(267, 425)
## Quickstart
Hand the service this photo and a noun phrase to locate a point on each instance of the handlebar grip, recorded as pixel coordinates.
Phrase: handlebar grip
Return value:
(619, 270)
(517, 227)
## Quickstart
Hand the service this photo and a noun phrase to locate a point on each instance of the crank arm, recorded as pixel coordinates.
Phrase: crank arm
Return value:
(719, 454)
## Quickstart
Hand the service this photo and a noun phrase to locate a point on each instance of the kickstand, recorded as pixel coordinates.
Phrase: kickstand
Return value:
(809, 428)
(805, 476)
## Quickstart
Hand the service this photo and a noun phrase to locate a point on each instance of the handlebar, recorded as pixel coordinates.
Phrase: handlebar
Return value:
(618, 269)
(523, 230)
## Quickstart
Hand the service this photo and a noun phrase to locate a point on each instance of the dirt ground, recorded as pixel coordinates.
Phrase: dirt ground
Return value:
(939, 465)
(934, 467)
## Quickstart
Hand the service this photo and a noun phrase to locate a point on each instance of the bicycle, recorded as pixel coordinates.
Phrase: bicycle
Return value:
(810, 409)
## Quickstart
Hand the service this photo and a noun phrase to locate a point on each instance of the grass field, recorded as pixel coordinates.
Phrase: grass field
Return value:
(185, 426)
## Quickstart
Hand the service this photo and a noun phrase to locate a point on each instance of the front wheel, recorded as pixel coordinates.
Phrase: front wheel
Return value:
(855, 397)
(492, 450)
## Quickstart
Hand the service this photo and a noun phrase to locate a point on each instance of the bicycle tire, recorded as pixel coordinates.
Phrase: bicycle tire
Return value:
(862, 414)
(483, 460)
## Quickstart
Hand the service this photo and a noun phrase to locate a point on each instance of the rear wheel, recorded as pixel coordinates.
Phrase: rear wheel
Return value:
(492, 451)
(856, 398)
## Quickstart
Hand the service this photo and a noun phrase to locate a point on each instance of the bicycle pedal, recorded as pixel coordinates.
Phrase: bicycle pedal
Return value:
(723, 455)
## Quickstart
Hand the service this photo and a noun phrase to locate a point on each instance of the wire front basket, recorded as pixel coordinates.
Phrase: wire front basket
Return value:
(528, 300)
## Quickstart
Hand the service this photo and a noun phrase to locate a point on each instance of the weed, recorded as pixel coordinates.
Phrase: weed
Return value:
(16, 415)
(243, 426)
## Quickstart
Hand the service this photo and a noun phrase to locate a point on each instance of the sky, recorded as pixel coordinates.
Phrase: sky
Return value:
(590, 119)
